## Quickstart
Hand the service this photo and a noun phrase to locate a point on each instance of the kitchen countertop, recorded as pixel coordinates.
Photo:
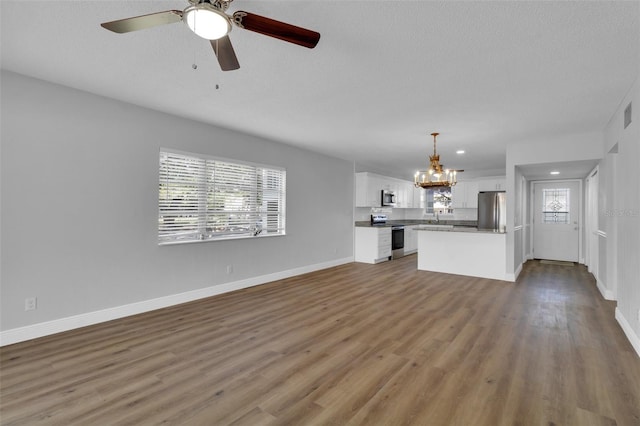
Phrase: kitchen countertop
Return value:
(468, 229)
(414, 222)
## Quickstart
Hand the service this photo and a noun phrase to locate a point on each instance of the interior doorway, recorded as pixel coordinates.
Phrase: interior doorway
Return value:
(556, 213)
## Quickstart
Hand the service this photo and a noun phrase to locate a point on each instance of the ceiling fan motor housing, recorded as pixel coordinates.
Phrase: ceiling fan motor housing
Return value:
(221, 5)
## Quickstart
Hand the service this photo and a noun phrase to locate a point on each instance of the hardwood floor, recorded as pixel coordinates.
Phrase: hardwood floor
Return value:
(357, 344)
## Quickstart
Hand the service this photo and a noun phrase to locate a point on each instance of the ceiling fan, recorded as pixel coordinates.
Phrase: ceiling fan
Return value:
(207, 18)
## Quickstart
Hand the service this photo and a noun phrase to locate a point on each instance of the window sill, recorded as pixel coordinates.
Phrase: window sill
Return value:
(218, 238)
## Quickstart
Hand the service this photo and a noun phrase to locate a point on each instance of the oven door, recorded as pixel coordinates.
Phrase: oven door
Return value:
(397, 241)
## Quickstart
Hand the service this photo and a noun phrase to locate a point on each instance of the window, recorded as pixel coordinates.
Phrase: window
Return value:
(439, 200)
(204, 198)
(556, 205)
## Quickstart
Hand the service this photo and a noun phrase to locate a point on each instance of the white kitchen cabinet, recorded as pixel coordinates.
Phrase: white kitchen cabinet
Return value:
(404, 196)
(410, 240)
(492, 184)
(368, 188)
(419, 198)
(373, 245)
(464, 195)
(401, 194)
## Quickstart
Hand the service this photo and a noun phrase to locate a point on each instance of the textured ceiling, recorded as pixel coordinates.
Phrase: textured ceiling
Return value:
(384, 75)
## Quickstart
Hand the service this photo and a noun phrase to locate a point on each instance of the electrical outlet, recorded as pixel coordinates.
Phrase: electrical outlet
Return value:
(30, 304)
(229, 269)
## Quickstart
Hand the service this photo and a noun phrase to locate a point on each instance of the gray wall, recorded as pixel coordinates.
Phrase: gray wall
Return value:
(622, 217)
(79, 205)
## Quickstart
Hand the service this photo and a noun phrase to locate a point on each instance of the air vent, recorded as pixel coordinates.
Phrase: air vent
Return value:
(627, 115)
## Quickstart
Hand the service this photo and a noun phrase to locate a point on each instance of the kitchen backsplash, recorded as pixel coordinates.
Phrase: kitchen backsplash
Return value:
(364, 213)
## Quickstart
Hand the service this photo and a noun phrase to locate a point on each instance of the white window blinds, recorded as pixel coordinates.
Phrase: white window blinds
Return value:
(206, 198)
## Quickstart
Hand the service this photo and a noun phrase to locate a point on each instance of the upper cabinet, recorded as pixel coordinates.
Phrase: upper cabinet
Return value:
(408, 196)
(369, 188)
(370, 185)
(464, 195)
(492, 184)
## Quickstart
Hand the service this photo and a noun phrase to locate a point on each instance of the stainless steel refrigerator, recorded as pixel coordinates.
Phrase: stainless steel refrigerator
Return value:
(492, 207)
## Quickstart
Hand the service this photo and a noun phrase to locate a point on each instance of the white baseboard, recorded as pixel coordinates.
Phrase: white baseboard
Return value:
(513, 277)
(34, 331)
(628, 331)
(604, 291)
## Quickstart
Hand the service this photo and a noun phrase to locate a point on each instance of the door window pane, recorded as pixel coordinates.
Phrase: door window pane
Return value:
(555, 208)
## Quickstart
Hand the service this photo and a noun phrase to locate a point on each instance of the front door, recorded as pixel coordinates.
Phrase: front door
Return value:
(556, 228)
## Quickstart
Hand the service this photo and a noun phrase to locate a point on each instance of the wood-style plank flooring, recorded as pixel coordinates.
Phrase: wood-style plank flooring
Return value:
(353, 345)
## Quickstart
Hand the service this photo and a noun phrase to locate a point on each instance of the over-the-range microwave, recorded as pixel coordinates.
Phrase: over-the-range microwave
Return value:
(388, 198)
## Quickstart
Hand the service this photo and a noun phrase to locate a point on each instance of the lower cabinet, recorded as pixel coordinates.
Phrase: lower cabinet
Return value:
(373, 245)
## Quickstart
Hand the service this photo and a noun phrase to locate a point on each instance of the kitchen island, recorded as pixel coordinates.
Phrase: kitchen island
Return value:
(462, 251)
(373, 242)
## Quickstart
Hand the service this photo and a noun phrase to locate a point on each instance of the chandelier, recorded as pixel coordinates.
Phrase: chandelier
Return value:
(435, 177)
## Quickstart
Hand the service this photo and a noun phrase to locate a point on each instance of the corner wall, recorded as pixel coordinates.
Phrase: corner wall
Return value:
(79, 199)
(622, 214)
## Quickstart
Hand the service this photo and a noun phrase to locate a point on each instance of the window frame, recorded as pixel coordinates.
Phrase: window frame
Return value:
(218, 199)
(430, 204)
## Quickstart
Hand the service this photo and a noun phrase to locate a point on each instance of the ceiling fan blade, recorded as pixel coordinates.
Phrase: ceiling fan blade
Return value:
(276, 29)
(225, 54)
(143, 22)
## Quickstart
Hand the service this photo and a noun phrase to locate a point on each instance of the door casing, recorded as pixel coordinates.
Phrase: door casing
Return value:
(534, 222)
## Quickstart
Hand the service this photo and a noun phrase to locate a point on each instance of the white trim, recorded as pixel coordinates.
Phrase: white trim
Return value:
(604, 291)
(513, 277)
(628, 331)
(29, 332)
(580, 216)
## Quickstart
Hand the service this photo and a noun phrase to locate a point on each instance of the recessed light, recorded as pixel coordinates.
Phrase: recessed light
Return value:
(460, 151)
(554, 173)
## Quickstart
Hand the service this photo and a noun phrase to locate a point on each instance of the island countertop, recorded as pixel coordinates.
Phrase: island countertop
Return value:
(456, 228)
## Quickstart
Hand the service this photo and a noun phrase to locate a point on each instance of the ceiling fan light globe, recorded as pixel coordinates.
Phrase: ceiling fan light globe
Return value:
(206, 22)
